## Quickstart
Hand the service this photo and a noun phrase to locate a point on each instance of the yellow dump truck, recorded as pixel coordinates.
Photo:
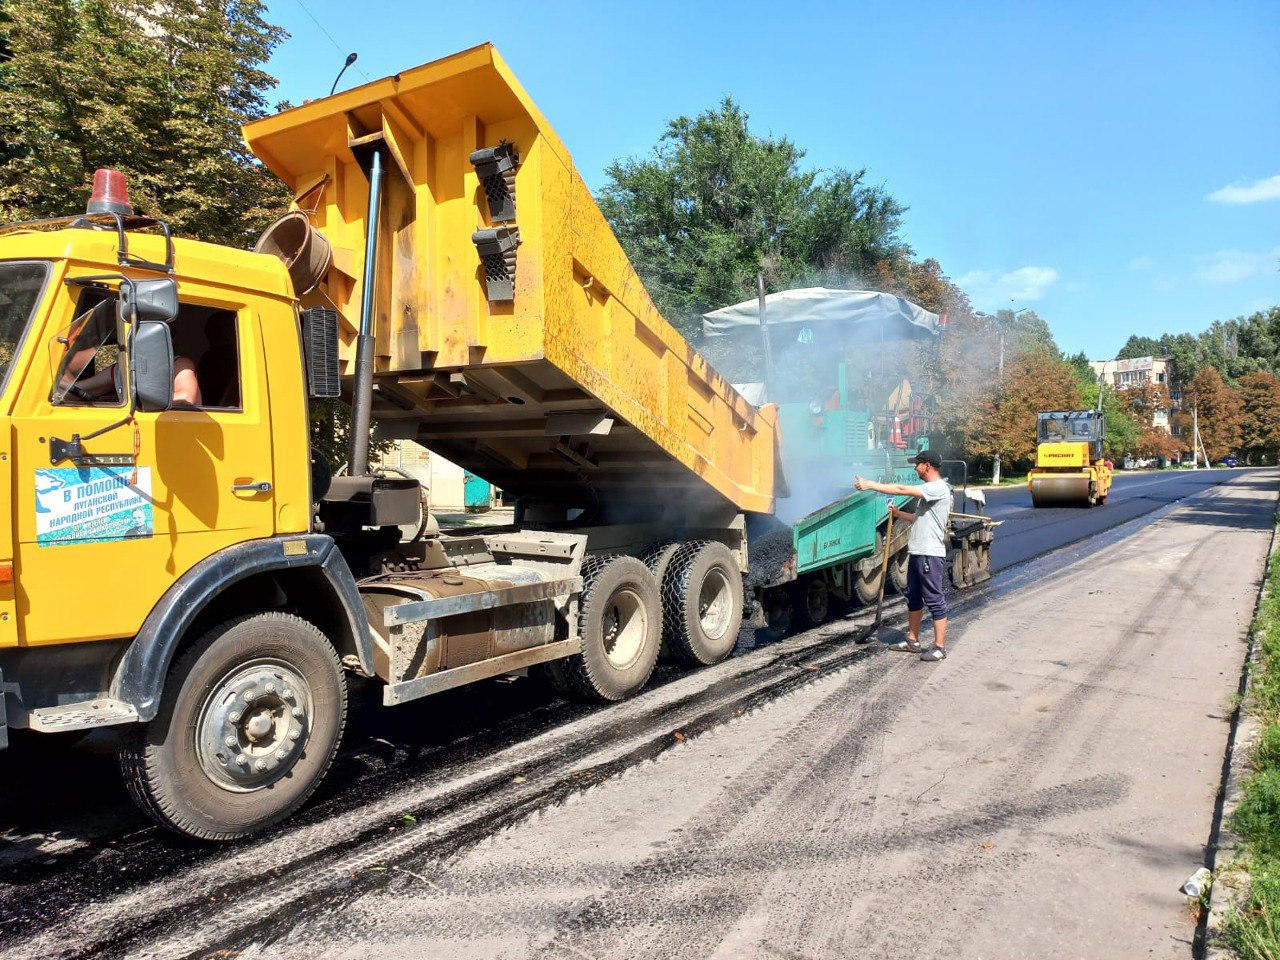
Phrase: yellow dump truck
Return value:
(179, 562)
(1070, 470)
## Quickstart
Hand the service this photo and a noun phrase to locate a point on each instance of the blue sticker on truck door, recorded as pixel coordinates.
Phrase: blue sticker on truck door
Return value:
(92, 505)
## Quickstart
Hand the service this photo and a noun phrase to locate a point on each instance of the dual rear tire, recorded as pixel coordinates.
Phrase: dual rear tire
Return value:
(682, 600)
(620, 623)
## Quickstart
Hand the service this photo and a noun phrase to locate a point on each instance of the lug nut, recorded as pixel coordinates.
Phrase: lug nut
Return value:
(271, 688)
(297, 711)
(295, 733)
(282, 754)
(234, 717)
(288, 693)
(230, 741)
(260, 765)
(249, 695)
(242, 759)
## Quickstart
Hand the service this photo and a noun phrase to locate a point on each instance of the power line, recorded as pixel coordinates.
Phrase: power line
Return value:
(327, 34)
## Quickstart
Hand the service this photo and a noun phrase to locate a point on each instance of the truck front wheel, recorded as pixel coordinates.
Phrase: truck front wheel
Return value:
(248, 725)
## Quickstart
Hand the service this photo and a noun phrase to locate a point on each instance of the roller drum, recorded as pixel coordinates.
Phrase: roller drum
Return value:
(1061, 492)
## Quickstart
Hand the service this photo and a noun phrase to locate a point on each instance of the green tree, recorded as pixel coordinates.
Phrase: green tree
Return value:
(7, 149)
(158, 91)
(1184, 350)
(716, 204)
(1137, 346)
(1025, 330)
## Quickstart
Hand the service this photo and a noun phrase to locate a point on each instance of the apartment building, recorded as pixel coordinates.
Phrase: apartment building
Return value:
(1136, 371)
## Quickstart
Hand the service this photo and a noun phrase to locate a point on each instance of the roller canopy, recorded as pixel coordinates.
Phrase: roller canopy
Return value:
(881, 314)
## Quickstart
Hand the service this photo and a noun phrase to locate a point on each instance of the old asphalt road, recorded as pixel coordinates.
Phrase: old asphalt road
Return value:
(1041, 793)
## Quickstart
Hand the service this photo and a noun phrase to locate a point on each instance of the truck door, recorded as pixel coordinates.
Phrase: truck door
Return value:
(100, 542)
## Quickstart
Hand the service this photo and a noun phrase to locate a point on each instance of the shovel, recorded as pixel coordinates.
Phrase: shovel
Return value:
(884, 573)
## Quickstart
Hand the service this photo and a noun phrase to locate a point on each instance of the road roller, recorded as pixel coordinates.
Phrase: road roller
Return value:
(1070, 470)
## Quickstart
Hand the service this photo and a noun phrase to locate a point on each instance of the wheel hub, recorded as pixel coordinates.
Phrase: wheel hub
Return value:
(254, 725)
(715, 605)
(624, 628)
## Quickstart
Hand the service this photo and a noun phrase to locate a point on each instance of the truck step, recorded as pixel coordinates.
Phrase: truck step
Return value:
(82, 716)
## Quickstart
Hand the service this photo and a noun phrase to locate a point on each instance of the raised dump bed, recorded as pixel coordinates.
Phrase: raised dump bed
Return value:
(512, 335)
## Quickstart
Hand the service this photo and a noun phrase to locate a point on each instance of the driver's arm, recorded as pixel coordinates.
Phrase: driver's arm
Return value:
(100, 384)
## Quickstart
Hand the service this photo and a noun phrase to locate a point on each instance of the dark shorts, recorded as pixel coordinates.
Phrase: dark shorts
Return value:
(924, 589)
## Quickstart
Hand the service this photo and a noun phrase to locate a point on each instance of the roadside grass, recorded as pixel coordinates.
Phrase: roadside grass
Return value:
(1253, 928)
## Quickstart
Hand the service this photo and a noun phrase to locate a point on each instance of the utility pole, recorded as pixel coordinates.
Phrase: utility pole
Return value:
(995, 471)
(764, 334)
(1013, 315)
(1195, 439)
(1197, 449)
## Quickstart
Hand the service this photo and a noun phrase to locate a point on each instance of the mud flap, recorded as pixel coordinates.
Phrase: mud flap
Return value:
(4, 717)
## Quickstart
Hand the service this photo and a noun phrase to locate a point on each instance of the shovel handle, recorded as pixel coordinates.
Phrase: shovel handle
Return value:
(884, 569)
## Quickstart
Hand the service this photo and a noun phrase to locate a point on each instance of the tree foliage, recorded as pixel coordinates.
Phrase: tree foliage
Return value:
(1122, 431)
(1137, 346)
(1025, 330)
(1234, 347)
(158, 91)
(1220, 413)
(1004, 422)
(1140, 402)
(717, 204)
(1260, 428)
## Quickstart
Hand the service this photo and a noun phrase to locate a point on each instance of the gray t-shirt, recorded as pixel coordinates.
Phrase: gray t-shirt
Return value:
(929, 530)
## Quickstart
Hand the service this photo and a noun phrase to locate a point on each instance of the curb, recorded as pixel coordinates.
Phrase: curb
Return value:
(1231, 881)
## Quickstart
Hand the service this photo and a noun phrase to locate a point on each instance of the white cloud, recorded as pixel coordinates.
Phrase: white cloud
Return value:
(993, 290)
(1232, 266)
(1256, 192)
(1141, 263)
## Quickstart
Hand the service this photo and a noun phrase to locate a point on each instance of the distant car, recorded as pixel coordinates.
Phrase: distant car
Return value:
(1228, 462)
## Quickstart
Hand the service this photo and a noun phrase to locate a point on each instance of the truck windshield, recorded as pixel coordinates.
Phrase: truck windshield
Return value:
(21, 285)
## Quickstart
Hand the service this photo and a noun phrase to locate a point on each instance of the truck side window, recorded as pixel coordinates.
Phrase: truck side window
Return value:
(208, 338)
(84, 353)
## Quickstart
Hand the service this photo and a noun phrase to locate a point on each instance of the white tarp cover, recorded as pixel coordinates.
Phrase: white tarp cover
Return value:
(898, 317)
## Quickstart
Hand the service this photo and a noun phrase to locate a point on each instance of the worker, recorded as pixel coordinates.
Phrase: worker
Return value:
(926, 551)
(186, 388)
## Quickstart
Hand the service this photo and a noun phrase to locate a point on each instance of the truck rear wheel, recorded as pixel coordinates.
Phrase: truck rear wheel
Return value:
(866, 586)
(702, 602)
(898, 572)
(248, 725)
(658, 559)
(778, 612)
(812, 602)
(620, 623)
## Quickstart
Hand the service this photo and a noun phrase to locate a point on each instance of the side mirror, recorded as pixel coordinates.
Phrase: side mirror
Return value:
(151, 366)
(144, 300)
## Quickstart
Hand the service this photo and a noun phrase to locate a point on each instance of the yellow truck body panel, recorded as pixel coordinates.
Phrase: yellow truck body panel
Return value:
(573, 384)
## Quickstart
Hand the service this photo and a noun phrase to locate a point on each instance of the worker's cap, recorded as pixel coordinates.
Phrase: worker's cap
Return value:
(930, 457)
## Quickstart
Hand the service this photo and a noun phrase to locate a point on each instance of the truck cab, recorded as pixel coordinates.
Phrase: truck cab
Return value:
(152, 494)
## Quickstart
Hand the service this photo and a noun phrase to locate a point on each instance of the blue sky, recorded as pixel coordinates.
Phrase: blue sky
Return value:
(1115, 166)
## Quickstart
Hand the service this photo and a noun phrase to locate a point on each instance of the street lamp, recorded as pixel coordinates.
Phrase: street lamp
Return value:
(1014, 314)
